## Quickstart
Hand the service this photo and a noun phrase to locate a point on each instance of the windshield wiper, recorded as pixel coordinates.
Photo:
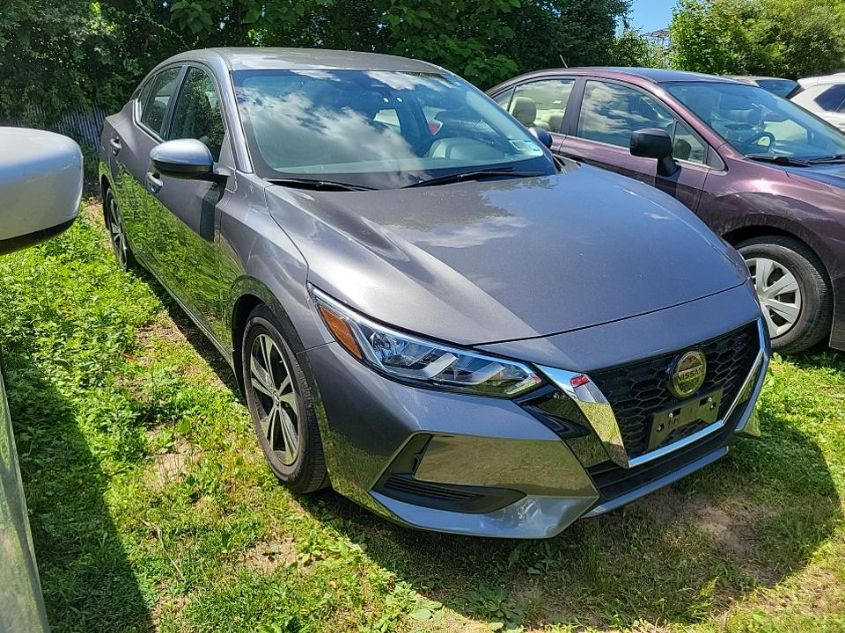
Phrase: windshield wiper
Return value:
(475, 175)
(325, 185)
(779, 160)
(826, 160)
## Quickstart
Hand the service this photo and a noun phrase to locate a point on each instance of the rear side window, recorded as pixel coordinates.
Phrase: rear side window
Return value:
(504, 98)
(542, 103)
(154, 103)
(832, 98)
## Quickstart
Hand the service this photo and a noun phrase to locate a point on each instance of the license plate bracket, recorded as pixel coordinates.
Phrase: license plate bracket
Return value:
(704, 409)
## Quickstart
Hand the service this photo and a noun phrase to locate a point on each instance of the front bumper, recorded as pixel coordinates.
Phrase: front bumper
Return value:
(489, 467)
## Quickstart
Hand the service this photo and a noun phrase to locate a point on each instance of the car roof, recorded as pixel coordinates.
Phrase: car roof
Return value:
(651, 75)
(752, 78)
(836, 78)
(255, 58)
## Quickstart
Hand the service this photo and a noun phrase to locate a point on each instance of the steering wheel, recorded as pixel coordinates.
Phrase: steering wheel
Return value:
(756, 140)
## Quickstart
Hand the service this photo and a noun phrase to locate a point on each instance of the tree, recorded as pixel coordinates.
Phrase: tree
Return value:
(717, 36)
(57, 57)
(788, 38)
(632, 48)
(808, 36)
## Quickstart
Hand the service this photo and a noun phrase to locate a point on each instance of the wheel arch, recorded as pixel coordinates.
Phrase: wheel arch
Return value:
(248, 293)
(761, 226)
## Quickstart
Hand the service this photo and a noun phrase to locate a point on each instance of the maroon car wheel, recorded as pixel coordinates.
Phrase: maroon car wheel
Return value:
(793, 291)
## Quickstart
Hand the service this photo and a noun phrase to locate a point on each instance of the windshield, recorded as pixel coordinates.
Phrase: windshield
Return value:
(758, 123)
(377, 128)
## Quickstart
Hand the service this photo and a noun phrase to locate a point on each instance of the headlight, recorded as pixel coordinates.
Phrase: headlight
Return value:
(412, 359)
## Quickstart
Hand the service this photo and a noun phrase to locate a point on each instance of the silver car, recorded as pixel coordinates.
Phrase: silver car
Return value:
(40, 189)
(422, 307)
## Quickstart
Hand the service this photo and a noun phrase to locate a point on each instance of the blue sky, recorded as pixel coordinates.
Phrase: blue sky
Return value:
(651, 15)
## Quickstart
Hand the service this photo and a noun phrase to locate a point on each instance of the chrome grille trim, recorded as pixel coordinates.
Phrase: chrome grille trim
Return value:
(599, 412)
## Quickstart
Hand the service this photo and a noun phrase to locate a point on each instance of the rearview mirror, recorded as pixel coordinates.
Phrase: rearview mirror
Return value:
(40, 186)
(655, 143)
(183, 158)
(544, 136)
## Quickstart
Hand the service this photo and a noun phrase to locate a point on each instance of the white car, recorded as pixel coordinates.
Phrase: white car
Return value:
(40, 188)
(824, 97)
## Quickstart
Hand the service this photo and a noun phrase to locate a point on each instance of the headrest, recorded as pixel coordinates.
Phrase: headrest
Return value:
(524, 110)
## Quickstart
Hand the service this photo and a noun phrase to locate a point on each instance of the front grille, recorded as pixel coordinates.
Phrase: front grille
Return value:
(613, 481)
(639, 390)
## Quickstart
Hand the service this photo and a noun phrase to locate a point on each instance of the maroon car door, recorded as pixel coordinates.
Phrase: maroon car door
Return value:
(610, 112)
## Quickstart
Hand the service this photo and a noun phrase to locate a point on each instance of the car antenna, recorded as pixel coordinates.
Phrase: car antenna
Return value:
(563, 61)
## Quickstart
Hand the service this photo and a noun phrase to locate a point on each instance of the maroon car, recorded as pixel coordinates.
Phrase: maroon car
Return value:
(765, 174)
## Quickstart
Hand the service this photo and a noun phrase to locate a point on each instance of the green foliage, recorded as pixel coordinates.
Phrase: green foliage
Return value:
(784, 38)
(61, 57)
(632, 48)
(468, 37)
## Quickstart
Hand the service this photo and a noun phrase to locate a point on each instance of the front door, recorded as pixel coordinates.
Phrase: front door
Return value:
(130, 145)
(609, 114)
(185, 213)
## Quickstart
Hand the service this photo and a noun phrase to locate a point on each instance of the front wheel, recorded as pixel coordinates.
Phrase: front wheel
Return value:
(793, 291)
(281, 405)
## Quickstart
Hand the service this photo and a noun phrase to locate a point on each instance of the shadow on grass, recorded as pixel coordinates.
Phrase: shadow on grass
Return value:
(83, 566)
(680, 556)
(192, 333)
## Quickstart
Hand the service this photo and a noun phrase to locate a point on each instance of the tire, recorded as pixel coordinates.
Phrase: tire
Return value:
(812, 299)
(280, 416)
(117, 233)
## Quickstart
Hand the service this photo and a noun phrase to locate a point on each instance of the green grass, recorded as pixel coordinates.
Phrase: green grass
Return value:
(152, 509)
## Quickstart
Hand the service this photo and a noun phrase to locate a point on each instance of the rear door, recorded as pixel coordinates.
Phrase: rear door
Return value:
(608, 113)
(540, 103)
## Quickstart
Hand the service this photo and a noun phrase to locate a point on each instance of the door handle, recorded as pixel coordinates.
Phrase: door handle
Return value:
(116, 145)
(154, 182)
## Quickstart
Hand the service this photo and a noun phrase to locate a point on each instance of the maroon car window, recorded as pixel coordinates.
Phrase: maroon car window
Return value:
(154, 107)
(542, 103)
(197, 113)
(504, 98)
(758, 123)
(611, 113)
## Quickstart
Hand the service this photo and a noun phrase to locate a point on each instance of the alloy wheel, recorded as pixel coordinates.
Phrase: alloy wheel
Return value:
(278, 401)
(116, 233)
(778, 292)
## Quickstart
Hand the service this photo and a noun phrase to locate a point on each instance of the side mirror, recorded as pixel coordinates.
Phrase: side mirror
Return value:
(544, 136)
(183, 158)
(655, 143)
(40, 186)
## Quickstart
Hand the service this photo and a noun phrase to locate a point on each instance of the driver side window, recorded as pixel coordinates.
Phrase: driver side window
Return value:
(611, 113)
(197, 114)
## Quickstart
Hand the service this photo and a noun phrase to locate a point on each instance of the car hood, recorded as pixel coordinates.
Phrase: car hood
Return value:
(832, 175)
(479, 262)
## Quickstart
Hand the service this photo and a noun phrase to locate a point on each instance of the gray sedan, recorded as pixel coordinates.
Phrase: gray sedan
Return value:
(422, 307)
